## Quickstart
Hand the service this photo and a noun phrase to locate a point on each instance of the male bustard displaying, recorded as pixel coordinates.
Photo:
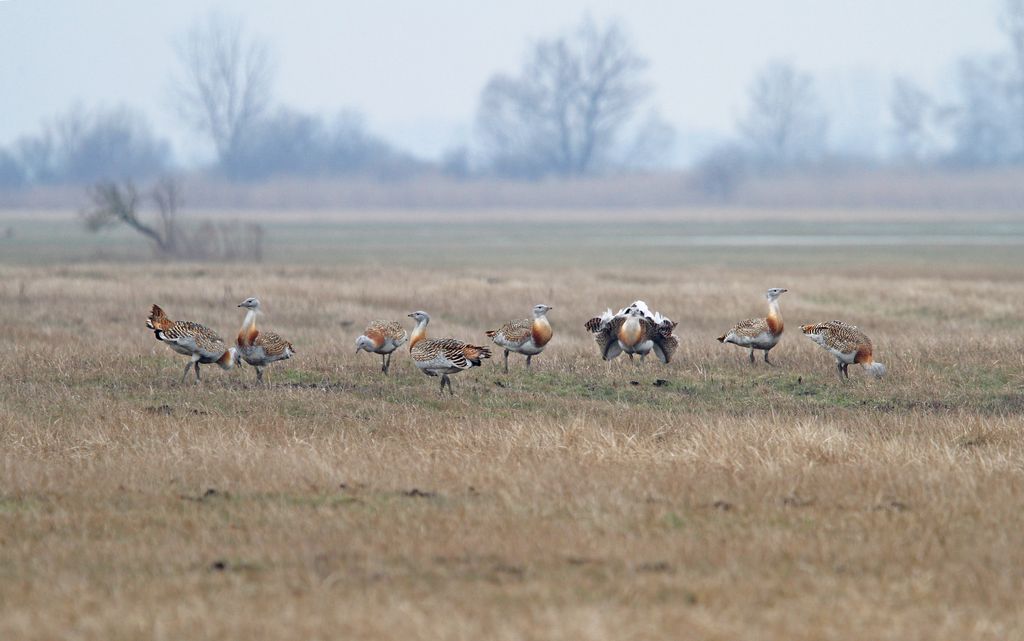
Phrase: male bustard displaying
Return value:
(442, 356)
(634, 330)
(382, 337)
(199, 342)
(524, 336)
(759, 333)
(847, 343)
(257, 348)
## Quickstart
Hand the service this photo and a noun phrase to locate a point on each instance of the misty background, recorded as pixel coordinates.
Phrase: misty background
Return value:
(406, 103)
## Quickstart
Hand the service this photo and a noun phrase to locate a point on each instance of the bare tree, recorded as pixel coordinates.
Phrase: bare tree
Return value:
(784, 124)
(563, 112)
(720, 172)
(115, 204)
(984, 126)
(225, 84)
(910, 108)
(1013, 25)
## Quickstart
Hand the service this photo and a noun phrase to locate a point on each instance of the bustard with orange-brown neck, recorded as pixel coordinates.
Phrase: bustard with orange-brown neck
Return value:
(442, 356)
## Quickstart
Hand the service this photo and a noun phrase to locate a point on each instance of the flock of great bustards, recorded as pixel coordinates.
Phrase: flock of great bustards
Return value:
(633, 330)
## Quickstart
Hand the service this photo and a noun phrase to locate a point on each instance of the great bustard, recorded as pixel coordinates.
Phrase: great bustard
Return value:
(196, 341)
(634, 330)
(442, 356)
(524, 336)
(257, 348)
(847, 343)
(382, 337)
(759, 333)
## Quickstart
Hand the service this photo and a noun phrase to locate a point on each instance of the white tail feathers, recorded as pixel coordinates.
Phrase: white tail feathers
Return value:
(876, 369)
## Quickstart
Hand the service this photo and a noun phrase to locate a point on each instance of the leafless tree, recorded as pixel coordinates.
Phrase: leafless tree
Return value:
(1012, 22)
(720, 172)
(167, 196)
(116, 204)
(225, 83)
(911, 109)
(985, 130)
(784, 125)
(563, 112)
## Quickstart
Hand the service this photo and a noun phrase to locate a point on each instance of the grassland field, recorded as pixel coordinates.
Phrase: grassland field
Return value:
(581, 500)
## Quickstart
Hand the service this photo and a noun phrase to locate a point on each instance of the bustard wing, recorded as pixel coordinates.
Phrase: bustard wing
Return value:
(448, 352)
(665, 343)
(272, 344)
(193, 337)
(606, 337)
(381, 330)
(514, 332)
(751, 328)
(840, 336)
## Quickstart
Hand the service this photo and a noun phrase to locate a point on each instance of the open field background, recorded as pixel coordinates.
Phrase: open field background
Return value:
(580, 501)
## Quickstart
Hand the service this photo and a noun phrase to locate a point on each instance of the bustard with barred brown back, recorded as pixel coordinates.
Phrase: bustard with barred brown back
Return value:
(524, 336)
(848, 344)
(196, 341)
(259, 348)
(634, 330)
(442, 356)
(382, 337)
(759, 333)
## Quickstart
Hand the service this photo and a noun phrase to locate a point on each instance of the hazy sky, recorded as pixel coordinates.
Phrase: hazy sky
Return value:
(415, 68)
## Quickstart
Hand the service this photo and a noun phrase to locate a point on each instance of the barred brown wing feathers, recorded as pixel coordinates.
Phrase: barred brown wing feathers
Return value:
(593, 324)
(272, 344)
(516, 332)
(206, 339)
(386, 329)
(751, 327)
(665, 346)
(607, 337)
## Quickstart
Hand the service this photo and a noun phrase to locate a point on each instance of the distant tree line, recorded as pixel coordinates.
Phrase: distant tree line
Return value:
(579, 105)
(784, 128)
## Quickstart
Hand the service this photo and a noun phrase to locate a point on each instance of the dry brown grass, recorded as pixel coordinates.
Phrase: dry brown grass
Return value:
(736, 502)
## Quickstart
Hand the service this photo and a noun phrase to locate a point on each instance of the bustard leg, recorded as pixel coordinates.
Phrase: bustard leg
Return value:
(446, 381)
(630, 354)
(197, 372)
(384, 363)
(846, 370)
(528, 357)
(766, 357)
(752, 355)
(259, 374)
(642, 357)
(839, 368)
(387, 368)
(506, 361)
(188, 366)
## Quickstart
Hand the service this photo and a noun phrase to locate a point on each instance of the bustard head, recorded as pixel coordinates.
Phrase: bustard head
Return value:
(250, 303)
(540, 310)
(774, 293)
(364, 342)
(420, 317)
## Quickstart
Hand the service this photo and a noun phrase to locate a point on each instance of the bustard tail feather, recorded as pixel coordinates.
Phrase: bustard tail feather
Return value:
(474, 354)
(158, 319)
(491, 333)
